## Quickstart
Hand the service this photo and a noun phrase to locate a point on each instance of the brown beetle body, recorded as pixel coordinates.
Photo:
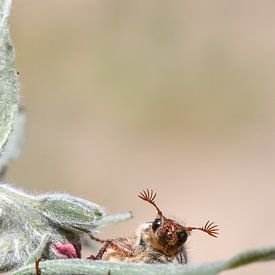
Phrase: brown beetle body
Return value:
(160, 241)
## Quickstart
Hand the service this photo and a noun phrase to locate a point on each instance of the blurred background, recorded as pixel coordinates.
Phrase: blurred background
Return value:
(177, 96)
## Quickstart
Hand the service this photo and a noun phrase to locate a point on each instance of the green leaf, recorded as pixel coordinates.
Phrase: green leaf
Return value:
(107, 220)
(26, 219)
(30, 225)
(14, 143)
(78, 266)
(9, 83)
(69, 212)
(38, 252)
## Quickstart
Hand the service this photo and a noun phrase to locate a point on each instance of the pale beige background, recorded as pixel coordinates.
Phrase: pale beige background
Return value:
(177, 96)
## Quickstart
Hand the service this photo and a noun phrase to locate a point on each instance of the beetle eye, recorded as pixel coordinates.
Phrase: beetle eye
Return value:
(182, 236)
(156, 224)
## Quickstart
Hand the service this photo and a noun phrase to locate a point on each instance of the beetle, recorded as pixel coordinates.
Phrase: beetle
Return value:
(160, 241)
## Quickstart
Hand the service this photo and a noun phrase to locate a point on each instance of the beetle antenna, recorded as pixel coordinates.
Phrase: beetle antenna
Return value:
(150, 196)
(209, 228)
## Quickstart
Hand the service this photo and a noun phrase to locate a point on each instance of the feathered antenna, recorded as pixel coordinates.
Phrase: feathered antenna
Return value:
(209, 228)
(150, 196)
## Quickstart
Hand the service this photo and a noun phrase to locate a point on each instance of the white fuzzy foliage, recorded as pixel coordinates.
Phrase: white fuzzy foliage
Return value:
(25, 221)
(87, 267)
(14, 143)
(9, 84)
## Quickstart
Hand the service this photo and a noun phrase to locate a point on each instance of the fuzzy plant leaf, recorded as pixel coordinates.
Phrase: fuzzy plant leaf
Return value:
(83, 267)
(9, 83)
(14, 143)
(48, 225)
(107, 220)
(70, 213)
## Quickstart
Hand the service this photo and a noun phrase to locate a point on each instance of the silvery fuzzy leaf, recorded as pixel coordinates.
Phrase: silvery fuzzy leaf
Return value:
(11, 120)
(12, 147)
(69, 212)
(9, 84)
(86, 267)
(26, 219)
